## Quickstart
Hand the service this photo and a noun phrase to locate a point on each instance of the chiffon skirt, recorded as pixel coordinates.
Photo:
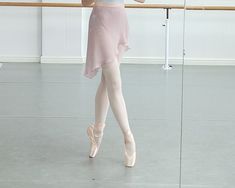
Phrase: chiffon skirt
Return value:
(107, 37)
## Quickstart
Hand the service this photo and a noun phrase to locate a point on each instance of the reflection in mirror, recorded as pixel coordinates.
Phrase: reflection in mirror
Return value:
(47, 104)
(208, 147)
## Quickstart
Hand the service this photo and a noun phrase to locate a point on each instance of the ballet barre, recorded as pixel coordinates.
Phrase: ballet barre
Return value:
(140, 5)
(166, 66)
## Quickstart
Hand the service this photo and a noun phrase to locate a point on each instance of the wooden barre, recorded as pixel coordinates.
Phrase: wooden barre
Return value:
(160, 6)
(80, 5)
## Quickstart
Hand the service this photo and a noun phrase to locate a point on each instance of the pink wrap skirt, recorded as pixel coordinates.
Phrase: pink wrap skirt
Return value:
(107, 37)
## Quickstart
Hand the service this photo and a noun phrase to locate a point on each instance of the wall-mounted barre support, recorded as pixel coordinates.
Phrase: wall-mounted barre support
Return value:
(166, 66)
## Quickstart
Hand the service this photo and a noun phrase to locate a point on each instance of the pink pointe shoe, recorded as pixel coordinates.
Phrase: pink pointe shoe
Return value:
(94, 140)
(130, 159)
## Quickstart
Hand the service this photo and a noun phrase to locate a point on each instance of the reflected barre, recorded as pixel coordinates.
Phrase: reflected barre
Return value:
(142, 5)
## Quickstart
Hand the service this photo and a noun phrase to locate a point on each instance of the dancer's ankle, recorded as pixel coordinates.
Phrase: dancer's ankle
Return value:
(128, 137)
(130, 146)
(98, 129)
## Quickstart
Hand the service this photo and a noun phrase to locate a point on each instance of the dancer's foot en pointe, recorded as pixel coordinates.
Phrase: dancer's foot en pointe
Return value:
(130, 150)
(95, 141)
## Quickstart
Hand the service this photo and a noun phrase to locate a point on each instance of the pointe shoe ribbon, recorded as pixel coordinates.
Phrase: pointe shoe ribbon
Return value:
(94, 140)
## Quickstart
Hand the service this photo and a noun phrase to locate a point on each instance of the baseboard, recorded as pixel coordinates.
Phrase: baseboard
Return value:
(209, 61)
(125, 60)
(19, 59)
(62, 60)
(179, 61)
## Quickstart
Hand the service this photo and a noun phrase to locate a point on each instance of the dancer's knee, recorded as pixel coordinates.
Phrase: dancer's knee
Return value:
(112, 77)
(113, 82)
(115, 86)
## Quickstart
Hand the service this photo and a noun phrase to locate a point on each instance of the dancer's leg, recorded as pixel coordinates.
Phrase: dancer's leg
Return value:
(101, 107)
(114, 87)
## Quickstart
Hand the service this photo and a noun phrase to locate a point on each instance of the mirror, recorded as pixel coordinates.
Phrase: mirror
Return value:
(47, 104)
(208, 90)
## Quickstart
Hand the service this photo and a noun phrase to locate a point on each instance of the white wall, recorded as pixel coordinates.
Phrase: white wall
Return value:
(20, 33)
(62, 37)
(61, 34)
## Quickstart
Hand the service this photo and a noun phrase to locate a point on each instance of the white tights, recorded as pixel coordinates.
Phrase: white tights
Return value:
(108, 93)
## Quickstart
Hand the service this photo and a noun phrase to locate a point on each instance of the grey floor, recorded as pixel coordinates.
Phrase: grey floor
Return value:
(46, 108)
